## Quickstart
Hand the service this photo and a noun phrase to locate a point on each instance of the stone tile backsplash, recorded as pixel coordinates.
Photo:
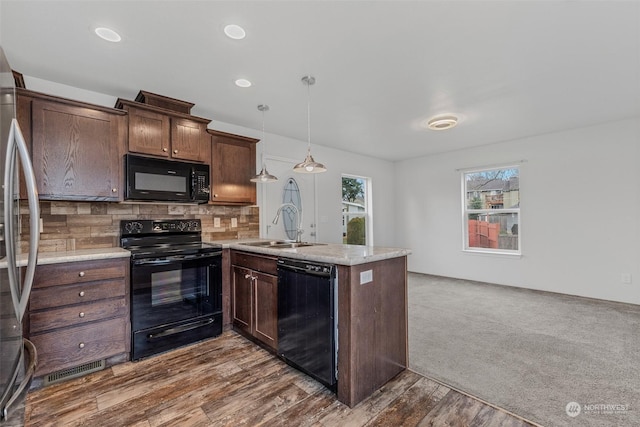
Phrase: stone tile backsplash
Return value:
(88, 225)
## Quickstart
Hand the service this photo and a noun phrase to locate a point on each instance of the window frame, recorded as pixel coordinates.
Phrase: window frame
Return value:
(466, 212)
(368, 207)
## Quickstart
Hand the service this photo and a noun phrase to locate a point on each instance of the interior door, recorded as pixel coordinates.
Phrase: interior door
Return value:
(271, 199)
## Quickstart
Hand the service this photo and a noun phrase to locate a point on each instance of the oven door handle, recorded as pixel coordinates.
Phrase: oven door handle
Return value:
(177, 258)
(181, 328)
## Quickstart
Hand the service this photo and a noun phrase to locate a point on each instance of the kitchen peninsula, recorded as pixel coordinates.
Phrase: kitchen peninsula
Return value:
(372, 309)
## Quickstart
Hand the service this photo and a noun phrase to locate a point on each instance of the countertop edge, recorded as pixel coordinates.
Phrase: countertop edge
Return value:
(72, 256)
(328, 253)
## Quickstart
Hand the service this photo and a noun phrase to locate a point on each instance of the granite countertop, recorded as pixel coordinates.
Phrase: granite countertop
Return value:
(71, 256)
(329, 253)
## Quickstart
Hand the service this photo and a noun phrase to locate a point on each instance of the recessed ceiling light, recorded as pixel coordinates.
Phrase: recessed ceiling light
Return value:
(108, 34)
(442, 122)
(235, 32)
(243, 83)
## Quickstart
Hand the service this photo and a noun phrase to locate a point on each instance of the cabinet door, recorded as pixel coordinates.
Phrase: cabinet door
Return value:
(148, 132)
(187, 139)
(242, 293)
(266, 309)
(233, 163)
(76, 152)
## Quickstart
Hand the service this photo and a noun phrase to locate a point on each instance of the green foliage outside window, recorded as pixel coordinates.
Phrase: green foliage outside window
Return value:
(356, 231)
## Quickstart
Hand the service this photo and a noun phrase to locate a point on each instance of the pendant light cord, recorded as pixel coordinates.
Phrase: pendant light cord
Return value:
(309, 116)
(263, 142)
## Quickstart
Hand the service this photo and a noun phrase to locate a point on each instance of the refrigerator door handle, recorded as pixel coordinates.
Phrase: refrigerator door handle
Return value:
(18, 394)
(17, 143)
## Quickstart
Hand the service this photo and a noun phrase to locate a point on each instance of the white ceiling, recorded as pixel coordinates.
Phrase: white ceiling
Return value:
(509, 69)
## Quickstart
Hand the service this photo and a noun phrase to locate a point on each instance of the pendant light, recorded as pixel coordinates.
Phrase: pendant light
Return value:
(309, 165)
(264, 175)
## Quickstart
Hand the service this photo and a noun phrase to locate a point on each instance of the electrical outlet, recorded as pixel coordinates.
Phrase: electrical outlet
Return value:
(366, 277)
(234, 222)
(216, 222)
(625, 278)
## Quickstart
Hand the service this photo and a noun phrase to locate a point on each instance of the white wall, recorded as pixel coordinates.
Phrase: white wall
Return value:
(580, 206)
(328, 185)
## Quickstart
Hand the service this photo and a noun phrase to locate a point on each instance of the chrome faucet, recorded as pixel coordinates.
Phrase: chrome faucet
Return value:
(299, 230)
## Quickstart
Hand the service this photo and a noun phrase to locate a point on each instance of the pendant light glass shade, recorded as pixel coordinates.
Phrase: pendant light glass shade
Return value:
(264, 175)
(308, 165)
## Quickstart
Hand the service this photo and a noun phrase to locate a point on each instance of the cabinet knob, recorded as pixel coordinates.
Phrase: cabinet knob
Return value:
(81, 315)
(165, 150)
(81, 293)
(81, 274)
(175, 151)
(215, 195)
(114, 190)
(81, 345)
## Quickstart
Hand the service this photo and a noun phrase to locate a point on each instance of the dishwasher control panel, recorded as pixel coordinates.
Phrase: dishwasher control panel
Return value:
(306, 266)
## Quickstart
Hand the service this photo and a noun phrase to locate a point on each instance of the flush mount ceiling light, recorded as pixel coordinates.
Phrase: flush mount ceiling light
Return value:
(243, 83)
(309, 165)
(264, 175)
(108, 34)
(442, 122)
(235, 32)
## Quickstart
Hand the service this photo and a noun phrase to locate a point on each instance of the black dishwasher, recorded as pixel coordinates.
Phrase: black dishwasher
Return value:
(308, 318)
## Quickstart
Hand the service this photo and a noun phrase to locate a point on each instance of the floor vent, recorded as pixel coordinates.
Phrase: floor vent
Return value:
(76, 371)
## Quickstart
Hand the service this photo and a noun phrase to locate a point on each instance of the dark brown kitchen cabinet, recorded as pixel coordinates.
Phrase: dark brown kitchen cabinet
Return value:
(233, 164)
(254, 295)
(76, 147)
(148, 132)
(164, 133)
(79, 314)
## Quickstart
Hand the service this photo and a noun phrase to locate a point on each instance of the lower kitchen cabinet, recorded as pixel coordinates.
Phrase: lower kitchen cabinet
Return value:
(254, 297)
(79, 313)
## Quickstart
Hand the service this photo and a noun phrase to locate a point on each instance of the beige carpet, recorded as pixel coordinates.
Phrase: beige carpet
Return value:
(530, 352)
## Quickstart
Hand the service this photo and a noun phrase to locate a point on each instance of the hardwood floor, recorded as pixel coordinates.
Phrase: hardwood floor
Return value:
(229, 381)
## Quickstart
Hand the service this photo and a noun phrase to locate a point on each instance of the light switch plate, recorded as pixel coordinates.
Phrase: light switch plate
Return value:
(216, 222)
(234, 222)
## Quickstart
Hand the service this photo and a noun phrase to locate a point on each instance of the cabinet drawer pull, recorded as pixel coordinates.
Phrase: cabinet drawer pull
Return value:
(81, 345)
(81, 314)
(81, 293)
(81, 274)
(164, 150)
(175, 151)
(215, 195)
(114, 190)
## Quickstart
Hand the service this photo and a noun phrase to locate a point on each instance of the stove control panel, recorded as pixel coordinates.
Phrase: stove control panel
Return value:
(151, 226)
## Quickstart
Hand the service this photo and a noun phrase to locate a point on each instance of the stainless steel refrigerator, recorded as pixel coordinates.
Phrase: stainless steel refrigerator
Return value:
(17, 355)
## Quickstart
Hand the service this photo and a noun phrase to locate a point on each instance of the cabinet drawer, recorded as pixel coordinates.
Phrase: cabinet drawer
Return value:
(56, 296)
(76, 272)
(74, 346)
(77, 314)
(264, 264)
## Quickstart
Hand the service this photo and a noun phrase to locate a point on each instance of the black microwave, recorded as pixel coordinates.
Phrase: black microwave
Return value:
(160, 180)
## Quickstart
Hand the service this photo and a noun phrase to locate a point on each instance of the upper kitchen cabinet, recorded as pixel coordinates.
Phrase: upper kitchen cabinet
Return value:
(162, 126)
(233, 164)
(76, 147)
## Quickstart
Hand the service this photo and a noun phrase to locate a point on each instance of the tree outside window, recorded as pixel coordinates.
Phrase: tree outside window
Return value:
(355, 210)
(491, 214)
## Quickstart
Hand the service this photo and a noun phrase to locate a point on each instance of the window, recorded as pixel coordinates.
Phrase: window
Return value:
(356, 208)
(491, 213)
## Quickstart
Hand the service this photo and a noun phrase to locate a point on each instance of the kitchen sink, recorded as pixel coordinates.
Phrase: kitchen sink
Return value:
(280, 244)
